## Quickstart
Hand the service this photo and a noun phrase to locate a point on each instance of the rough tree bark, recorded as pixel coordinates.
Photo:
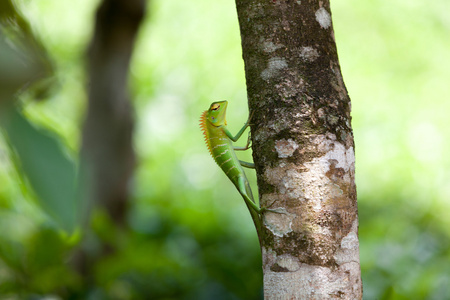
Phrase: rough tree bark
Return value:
(303, 150)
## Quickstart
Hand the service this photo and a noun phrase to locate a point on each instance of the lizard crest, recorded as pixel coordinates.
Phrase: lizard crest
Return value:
(214, 116)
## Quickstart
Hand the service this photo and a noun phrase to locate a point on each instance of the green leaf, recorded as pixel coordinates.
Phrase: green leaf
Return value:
(41, 160)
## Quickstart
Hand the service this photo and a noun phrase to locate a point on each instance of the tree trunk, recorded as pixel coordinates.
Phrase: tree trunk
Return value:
(107, 155)
(107, 134)
(303, 150)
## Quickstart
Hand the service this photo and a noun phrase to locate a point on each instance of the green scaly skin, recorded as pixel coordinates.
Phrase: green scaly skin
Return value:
(220, 144)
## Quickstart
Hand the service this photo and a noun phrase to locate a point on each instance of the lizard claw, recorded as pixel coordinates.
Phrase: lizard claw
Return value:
(266, 209)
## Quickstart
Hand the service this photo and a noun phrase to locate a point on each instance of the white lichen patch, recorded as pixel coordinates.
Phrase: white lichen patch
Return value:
(309, 53)
(308, 282)
(285, 148)
(310, 182)
(269, 256)
(316, 184)
(273, 68)
(350, 241)
(349, 250)
(288, 262)
(334, 152)
(279, 222)
(287, 180)
(269, 47)
(323, 17)
(291, 185)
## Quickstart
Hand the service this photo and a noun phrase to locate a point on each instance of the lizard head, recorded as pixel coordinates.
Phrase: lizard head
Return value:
(216, 113)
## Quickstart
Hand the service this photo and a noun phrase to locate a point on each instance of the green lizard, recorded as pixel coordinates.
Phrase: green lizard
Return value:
(219, 141)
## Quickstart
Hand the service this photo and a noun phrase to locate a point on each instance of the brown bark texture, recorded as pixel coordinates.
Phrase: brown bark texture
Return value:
(303, 150)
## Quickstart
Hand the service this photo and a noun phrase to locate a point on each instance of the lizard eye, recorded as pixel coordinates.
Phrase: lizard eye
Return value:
(215, 107)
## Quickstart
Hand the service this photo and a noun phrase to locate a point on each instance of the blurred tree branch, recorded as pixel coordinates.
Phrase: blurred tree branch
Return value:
(107, 151)
(107, 155)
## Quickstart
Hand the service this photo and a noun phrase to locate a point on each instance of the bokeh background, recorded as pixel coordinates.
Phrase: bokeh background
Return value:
(190, 235)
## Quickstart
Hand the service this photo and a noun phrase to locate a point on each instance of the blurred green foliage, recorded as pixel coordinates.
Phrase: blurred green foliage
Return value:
(190, 235)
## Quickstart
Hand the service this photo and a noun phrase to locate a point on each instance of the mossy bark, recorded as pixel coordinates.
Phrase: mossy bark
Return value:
(303, 150)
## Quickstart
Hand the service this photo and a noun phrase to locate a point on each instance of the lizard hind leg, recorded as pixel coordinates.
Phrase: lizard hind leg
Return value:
(245, 191)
